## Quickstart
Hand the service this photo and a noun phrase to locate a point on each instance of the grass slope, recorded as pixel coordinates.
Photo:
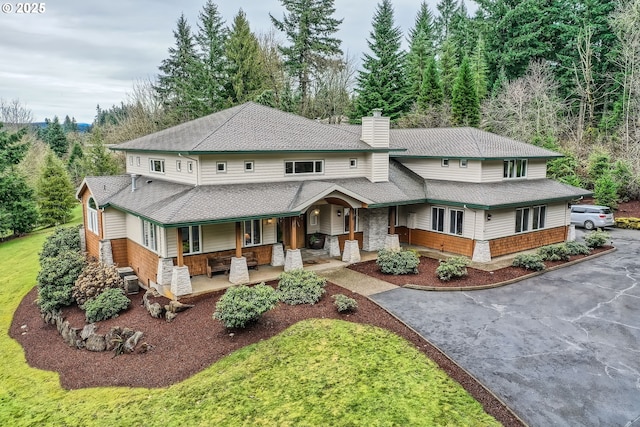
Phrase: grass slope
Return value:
(318, 372)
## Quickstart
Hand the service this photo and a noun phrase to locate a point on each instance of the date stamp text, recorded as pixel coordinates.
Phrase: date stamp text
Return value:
(23, 8)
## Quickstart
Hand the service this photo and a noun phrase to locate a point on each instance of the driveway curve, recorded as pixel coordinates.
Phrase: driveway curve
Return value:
(561, 349)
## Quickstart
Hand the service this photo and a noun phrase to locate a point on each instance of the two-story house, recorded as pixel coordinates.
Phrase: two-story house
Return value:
(252, 178)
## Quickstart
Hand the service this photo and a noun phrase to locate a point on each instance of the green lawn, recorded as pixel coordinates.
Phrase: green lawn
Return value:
(318, 372)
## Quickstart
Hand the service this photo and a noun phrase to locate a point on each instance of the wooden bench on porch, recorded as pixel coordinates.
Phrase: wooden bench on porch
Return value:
(216, 264)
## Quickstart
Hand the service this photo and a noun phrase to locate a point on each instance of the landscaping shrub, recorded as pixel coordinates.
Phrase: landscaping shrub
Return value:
(96, 278)
(344, 303)
(628, 223)
(106, 305)
(398, 262)
(557, 252)
(596, 238)
(63, 239)
(241, 305)
(300, 287)
(453, 267)
(56, 278)
(577, 248)
(529, 261)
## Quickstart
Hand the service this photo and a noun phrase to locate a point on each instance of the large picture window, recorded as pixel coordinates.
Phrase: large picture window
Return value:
(191, 240)
(456, 219)
(522, 220)
(515, 168)
(92, 216)
(149, 236)
(303, 167)
(539, 216)
(437, 219)
(253, 232)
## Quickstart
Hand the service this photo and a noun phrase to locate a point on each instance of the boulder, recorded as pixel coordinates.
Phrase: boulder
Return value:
(177, 306)
(170, 316)
(88, 330)
(96, 343)
(132, 342)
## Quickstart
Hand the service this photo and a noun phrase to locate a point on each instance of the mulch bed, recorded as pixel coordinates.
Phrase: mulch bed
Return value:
(475, 278)
(193, 341)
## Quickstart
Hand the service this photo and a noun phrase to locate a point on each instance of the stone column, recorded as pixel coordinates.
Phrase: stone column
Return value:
(392, 242)
(293, 260)
(83, 239)
(332, 246)
(239, 272)
(351, 252)
(105, 255)
(374, 228)
(180, 281)
(165, 271)
(481, 251)
(571, 233)
(277, 255)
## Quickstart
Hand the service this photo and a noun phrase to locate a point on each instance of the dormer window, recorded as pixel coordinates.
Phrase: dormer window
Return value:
(515, 168)
(303, 167)
(156, 165)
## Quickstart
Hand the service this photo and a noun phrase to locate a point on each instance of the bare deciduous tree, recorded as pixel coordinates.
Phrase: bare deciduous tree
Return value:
(13, 114)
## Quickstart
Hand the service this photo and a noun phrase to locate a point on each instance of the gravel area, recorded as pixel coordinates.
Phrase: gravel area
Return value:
(193, 341)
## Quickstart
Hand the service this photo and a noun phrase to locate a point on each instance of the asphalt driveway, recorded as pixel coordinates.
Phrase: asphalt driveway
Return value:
(561, 349)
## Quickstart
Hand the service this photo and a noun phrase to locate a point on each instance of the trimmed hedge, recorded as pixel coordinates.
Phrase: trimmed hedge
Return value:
(596, 238)
(106, 305)
(241, 305)
(398, 262)
(529, 261)
(628, 223)
(558, 252)
(453, 267)
(300, 287)
(577, 248)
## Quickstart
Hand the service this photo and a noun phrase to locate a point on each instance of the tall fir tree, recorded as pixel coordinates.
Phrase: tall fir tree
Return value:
(55, 137)
(480, 69)
(177, 83)
(98, 161)
(310, 28)
(448, 68)
(443, 23)
(421, 40)
(74, 164)
(465, 106)
(382, 82)
(55, 193)
(211, 76)
(431, 91)
(247, 75)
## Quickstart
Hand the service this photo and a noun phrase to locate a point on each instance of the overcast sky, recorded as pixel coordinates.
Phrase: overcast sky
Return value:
(78, 54)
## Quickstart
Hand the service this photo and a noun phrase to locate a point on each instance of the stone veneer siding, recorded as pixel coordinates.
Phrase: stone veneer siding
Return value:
(375, 224)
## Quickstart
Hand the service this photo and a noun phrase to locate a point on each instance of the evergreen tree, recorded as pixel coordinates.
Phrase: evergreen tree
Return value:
(431, 90)
(309, 27)
(18, 211)
(247, 75)
(444, 21)
(448, 68)
(605, 191)
(465, 106)
(98, 161)
(69, 125)
(421, 38)
(74, 163)
(176, 86)
(480, 69)
(381, 82)
(55, 193)
(55, 137)
(212, 68)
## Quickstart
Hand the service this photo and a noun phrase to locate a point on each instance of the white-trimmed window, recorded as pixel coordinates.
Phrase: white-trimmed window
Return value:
(191, 239)
(437, 219)
(249, 166)
(353, 163)
(138, 161)
(464, 163)
(515, 168)
(221, 167)
(444, 163)
(252, 232)
(522, 220)
(300, 167)
(92, 216)
(313, 217)
(178, 166)
(190, 167)
(345, 215)
(456, 220)
(539, 217)
(130, 160)
(156, 165)
(149, 235)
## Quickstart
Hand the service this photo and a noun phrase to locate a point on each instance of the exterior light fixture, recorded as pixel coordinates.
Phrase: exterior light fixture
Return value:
(339, 213)
(488, 217)
(316, 211)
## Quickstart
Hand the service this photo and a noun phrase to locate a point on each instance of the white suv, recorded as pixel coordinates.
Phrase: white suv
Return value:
(590, 216)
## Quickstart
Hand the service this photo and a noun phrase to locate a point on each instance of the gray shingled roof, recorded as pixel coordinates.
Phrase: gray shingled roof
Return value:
(249, 127)
(508, 193)
(469, 143)
(105, 187)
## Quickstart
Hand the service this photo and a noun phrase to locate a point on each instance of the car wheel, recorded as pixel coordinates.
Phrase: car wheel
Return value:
(588, 225)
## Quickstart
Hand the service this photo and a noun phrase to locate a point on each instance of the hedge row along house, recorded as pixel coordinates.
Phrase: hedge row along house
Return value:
(256, 179)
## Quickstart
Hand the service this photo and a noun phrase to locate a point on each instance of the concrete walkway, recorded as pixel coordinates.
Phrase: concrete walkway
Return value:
(357, 282)
(561, 349)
